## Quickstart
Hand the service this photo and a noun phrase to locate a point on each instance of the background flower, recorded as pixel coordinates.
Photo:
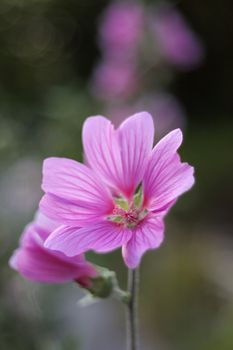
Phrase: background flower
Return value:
(113, 81)
(176, 41)
(34, 262)
(167, 112)
(121, 28)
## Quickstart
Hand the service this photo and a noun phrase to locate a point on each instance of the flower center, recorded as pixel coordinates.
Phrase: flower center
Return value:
(128, 214)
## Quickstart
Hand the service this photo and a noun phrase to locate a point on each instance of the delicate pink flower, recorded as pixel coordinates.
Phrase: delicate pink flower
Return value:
(98, 204)
(35, 262)
(114, 81)
(120, 29)
(178, 43)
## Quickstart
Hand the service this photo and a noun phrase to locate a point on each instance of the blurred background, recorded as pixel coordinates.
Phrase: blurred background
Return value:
(61, 61)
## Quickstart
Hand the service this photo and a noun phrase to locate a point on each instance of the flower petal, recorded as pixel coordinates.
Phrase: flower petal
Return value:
(166, 177)
(68, 213)
(76, 183)
(102, 237)
(136, 135)
(44, 225)
(74, 191)
(119, 156)
(73, 181)
(147, 235)
(37, 263)
(102, 149)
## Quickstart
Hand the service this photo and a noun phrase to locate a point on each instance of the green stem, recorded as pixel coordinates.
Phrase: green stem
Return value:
(132, 321)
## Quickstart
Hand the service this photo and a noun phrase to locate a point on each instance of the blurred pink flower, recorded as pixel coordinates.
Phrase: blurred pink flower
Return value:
(114, 81)
(166, 109)
(121, 27)
(178, 43)
(37, 263)
(119, 112)
(98, 205)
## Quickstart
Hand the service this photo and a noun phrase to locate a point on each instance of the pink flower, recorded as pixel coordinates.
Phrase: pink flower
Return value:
(114, 81)
(37, 263)
(120, 29)
(178, 43)
(98, 206)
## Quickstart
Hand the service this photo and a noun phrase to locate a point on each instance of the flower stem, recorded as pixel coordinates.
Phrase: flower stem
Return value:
(132, 321)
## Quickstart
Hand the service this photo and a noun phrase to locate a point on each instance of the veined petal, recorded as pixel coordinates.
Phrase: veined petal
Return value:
(73, 181)
(71, 213)
(102, 150)
(166, 177)
(37, 263)
(136, 135)
(102, 237)
(74, 193)
(119, 156)
(147, 235)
